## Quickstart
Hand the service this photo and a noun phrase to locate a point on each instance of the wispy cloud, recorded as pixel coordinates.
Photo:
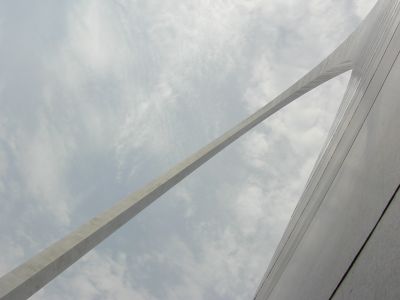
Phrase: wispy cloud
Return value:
(99, 97)
(99, 276)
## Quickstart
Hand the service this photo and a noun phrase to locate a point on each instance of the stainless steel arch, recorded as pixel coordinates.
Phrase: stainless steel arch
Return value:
(370, 52)
(354, 181)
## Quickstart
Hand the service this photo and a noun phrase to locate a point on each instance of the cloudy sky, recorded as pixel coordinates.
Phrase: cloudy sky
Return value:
(99, 97)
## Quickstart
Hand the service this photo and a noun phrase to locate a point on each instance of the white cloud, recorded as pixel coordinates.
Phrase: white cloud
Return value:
(3, 171)
(11, 253)
(249, 208)
(363, 7)
(95, 36)
(43, 160)
(98, 276)
(256, 148)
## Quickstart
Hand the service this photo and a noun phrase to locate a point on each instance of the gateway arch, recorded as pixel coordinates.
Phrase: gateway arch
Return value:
(342, 241)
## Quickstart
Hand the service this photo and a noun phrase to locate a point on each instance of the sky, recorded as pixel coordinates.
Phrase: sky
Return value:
(99, 97)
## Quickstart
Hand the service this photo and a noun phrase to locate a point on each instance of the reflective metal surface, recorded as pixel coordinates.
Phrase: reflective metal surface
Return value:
(374, 274)
(355, 177)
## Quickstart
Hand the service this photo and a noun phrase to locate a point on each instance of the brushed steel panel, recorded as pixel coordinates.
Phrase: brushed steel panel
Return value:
(358, 195)
(376, 272)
